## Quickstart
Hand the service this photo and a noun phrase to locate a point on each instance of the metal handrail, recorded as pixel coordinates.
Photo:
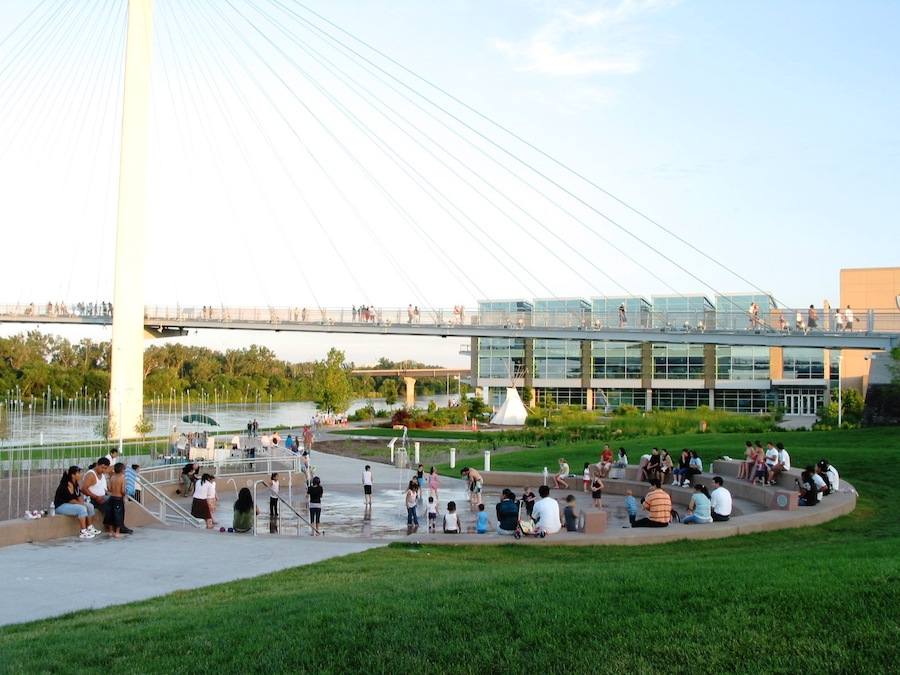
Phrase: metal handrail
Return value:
(283, 501)
(166, 502)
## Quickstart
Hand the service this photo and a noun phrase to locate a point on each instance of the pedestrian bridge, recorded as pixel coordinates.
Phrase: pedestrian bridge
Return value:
(873, 329)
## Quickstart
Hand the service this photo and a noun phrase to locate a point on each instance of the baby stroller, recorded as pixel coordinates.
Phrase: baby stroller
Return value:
(527, 525)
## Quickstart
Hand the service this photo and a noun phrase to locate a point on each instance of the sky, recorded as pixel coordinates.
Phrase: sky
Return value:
(334, 153)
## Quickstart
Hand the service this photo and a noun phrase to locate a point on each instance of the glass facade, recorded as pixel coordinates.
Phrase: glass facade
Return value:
(561, 312)
(677, 362)
(676, 399)
(742, 363)
(745, 400)
(605, 312)
(733, 311)
(504, 312)
(616, 360)
(557, 359)
(679, 311)
(562, 396)
(804, 364)
(501, 357)
(611, 399)
(618, 370)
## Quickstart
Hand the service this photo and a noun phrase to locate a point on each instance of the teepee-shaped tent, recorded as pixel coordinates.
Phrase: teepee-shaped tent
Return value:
(512, 412)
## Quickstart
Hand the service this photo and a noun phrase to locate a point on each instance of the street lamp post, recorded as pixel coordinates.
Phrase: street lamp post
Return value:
(840, 358)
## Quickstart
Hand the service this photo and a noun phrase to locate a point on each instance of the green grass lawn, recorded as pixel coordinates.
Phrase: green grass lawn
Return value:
(823, 599)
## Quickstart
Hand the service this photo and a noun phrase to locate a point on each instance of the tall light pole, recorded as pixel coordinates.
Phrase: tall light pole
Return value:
(840, 358)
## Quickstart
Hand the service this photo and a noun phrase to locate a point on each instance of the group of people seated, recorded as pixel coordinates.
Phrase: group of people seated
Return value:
(816, 482)
(658, 464)
(704, 507)
(761, 467)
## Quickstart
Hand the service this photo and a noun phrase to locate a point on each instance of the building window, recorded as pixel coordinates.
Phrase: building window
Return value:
(502, 358)
(678, 362)
(615, 360)
(678, 399)
(742, 363)
(745, 400)
(562, 396)
(804, 364)
(610, 399)
(557, 359)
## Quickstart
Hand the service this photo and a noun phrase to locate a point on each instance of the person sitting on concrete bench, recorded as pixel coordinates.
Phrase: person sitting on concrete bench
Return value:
(830, 474)
(782, 464)
(69, 502)
(659, 505)
(507, 513)
(684, 463)
(695, 468)
(720, 501)
(809, 491)
(699, 510)
(546, 512)
(606, 461)
(653, 465)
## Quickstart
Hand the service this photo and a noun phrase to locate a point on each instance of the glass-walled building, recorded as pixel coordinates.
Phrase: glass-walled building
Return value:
(734, 311)
(557, 360)
(508, 313)
(683, 311)
(605, 312)
(616, 360)
(501, 358)
(600, 374)
(563, 312)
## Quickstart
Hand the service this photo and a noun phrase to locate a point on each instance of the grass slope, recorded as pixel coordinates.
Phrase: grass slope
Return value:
(821, 599)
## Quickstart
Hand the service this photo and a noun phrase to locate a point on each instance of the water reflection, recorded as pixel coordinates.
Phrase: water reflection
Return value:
(72, 421)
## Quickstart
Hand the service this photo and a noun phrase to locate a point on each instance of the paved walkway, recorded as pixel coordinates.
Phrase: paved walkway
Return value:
(52, 578)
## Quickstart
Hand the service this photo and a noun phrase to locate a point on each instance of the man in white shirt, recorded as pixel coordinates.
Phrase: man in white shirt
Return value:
(546, 512)
(783, 463)
(720, 501)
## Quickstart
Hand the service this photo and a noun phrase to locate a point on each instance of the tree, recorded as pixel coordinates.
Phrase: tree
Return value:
(143, 426)
(477, 407)
(101, 428)
(389, 391)
(851, 409)
(527, 395)
(331, 383)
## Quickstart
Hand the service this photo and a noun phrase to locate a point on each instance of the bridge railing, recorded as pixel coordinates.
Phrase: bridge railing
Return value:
(886, 320)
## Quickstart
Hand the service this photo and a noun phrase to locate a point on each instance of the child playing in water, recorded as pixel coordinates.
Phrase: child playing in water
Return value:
(570, 514)
(631, 505)
(597, 490)
(432, 514)
(481, 522)
(451, 520)
(528, 498)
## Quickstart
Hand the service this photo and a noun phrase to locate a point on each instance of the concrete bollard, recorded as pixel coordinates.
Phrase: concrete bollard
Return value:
(417, 452)
(487, 460)
(452, 458)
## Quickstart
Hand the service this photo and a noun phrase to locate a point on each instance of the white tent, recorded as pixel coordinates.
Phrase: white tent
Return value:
(512, 412)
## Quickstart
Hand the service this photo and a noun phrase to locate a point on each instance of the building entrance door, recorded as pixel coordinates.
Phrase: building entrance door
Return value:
(801, 403)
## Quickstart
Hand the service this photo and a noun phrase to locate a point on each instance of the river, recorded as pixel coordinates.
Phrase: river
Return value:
(70, 423)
